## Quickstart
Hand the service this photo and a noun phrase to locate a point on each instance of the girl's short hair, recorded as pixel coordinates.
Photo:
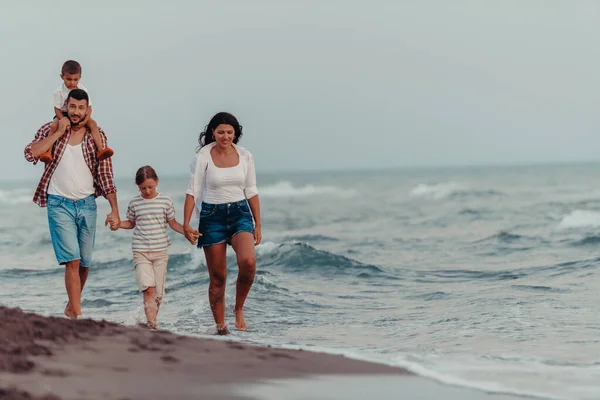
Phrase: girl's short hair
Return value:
(145, 172)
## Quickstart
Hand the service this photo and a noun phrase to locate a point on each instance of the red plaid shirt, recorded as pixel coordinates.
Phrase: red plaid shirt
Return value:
(102, 171)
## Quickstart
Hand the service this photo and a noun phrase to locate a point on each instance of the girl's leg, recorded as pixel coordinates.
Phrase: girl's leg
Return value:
(243, 245)
(217, 270)
(150, 306)
(159, 265)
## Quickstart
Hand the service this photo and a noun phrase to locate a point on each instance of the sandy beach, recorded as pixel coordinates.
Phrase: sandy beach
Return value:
(55, 358)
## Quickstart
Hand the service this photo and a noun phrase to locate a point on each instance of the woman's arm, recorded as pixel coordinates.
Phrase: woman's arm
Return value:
(188, 208)
(255, 208)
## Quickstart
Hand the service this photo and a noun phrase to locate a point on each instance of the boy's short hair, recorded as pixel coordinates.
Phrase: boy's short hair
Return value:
(78, 94)
(71, 67)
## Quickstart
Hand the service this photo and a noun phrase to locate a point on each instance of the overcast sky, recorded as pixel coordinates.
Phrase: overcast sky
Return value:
(316, 84)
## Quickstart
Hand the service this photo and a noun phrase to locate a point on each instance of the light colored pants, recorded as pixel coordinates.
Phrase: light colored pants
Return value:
(151, 270)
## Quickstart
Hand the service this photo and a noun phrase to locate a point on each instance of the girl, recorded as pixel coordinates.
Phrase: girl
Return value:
(148, 214)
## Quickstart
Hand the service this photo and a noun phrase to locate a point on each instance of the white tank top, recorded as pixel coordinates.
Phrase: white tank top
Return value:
(72, 178)
(224, 185)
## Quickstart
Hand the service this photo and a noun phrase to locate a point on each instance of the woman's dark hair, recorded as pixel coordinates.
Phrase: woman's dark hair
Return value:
(224, 118)
(145, 172)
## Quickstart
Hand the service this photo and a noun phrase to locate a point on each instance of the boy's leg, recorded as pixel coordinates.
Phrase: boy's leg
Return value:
(103, 152)
(47, 156)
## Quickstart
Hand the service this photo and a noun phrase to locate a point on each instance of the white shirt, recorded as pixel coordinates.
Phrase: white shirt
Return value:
(224, 185)
(241, 179)
(72, 178)
(59, 97)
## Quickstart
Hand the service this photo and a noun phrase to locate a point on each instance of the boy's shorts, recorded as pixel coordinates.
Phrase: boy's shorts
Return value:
(151, 270)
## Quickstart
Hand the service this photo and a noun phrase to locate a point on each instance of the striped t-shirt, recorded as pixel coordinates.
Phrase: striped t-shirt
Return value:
(150, 217)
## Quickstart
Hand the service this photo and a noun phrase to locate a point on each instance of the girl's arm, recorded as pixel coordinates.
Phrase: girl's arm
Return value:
(176, 226)
(127, 224)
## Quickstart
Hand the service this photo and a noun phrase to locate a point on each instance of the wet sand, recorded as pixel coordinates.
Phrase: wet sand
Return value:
(55, 358)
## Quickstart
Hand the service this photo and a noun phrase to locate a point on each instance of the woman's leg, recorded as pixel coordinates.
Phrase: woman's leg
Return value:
(217, 269)
(243, 245)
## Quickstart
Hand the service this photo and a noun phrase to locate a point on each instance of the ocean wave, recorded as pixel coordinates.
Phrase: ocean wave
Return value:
(504, 237)
(540, 288)
(301, 257)
(311, 238)
(447, 190)
(591, 240)
(286, 189)
(580, 219)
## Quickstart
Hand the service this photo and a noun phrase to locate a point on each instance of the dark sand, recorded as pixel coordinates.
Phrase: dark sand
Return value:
(56, 358)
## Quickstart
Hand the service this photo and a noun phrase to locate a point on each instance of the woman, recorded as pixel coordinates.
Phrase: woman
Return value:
(223, 192)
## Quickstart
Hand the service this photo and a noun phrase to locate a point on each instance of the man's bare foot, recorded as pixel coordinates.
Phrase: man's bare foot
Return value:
(69, 313)
(240, 321)
(222, 329)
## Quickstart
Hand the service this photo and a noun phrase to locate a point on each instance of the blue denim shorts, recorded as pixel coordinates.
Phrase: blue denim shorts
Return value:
(72, 228)
(219, 223)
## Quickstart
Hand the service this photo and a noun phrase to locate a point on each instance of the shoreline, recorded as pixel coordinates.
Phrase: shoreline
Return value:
(52, 358)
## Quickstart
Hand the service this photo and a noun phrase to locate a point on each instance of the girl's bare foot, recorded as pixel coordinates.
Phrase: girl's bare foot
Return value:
(69, 313)
(222, 329)
(240, 321)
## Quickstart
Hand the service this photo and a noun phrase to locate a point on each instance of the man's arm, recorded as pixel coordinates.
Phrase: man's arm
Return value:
(43, 141)
(107, 186)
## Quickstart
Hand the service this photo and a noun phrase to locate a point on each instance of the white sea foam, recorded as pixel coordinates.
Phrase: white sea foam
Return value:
(580, 219)
(286, 189)
(16, 196)
(437, 191)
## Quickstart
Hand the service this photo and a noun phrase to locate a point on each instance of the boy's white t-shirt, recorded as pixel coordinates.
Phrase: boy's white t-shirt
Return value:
(59, 97)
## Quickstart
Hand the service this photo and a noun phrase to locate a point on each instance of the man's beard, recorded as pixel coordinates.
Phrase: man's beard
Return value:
(74, 123)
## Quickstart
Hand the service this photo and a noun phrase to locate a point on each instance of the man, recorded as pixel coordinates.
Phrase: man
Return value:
(68, 188)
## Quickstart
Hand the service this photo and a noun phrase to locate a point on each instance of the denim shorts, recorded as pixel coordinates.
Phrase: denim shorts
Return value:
(219, 223)
(72, 228)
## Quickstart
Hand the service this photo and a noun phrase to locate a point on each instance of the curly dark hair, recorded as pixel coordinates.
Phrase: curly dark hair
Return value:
(224, 118)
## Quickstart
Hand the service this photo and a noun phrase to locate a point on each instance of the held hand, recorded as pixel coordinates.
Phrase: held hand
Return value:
(190, 234)
(257, 235)
(64, 125)
(114, 220)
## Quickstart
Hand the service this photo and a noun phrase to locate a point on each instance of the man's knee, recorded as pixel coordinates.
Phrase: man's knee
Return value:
(74, 265)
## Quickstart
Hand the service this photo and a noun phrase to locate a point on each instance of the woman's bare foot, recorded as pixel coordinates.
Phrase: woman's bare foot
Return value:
(69, 313)
(222, 329)
(240, 321)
